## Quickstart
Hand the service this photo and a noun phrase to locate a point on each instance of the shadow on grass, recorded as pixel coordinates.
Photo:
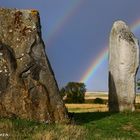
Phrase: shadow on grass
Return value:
(87, 117)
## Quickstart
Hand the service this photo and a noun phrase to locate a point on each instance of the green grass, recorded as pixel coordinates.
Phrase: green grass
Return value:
(105, 125)
(85, 126)
(19, 129)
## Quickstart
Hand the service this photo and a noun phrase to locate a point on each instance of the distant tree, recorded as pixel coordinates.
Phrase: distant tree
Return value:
(73, 92)
(138, 84)
(62, 92)
(98, 101)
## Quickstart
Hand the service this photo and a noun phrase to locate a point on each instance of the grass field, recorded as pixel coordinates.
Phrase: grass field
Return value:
(87, 107)
(85, 126)
(104, 95)
(88, 122)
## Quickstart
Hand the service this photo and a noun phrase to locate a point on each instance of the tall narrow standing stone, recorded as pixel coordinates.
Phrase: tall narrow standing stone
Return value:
(123, 65)
(28, 88)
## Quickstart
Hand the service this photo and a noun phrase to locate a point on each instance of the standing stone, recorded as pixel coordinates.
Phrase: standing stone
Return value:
(123, 66)
(28, 88)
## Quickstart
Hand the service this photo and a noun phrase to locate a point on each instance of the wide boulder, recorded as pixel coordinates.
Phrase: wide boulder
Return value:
(123, 66)
(28, 88)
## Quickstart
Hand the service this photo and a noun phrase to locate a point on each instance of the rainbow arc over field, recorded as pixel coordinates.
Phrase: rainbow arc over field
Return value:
(103, 56)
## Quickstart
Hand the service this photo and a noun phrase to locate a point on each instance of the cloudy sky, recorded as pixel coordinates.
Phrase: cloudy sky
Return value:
(76, 33)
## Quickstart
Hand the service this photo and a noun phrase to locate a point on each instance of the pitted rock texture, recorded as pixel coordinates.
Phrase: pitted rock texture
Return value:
(123, 66)
(28, 88)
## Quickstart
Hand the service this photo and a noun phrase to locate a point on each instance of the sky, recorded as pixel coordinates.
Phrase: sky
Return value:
(76, 34)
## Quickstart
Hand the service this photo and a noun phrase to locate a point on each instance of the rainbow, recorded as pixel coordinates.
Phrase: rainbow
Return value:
(95, 65)
(135, 26)
(64, 19)
(103, 55)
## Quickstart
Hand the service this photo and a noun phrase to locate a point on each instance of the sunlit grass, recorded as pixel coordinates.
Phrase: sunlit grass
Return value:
(104, 96)
(87, 107)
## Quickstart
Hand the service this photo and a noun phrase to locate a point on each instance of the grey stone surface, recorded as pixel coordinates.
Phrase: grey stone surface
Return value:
(123, 65)
(28, 88)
